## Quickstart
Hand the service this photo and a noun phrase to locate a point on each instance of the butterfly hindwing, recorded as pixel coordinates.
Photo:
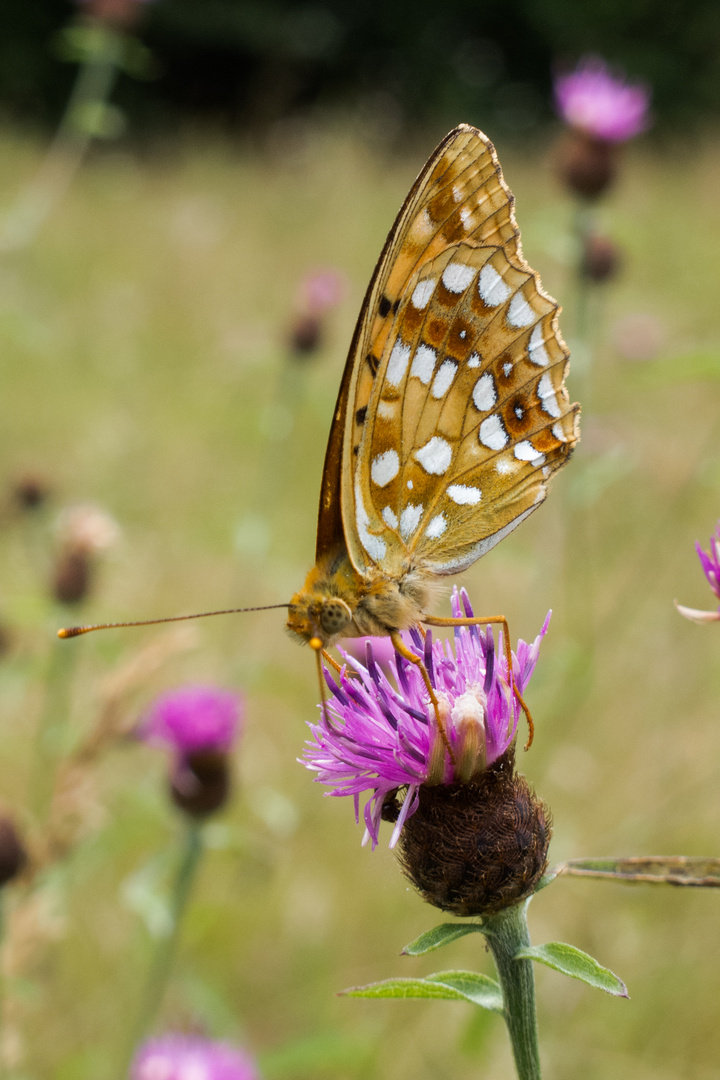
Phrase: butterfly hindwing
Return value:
(452, 412)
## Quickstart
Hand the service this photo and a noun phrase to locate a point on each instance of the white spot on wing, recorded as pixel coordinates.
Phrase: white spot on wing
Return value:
(537, 352)
(385, 468)
(484, 393)
(492, 288)
(492, 433)
(525, 451)
(409, 485)
(386, 409)
(443, 380)
(520, 313)
(457, 276)
(410, 519)
(422, 293)
(423, 364)
(435, 456)
(437, 527)
(507, 368)
(546, 393)
(397, 364)
(374, 545)
(457, 193)
(473, 360)
(466, 217)
(464, 494)
(558, 432)
(390, 517)
(505, 465)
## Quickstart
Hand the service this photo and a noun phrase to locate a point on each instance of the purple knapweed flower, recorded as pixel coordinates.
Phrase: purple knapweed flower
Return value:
(200, 723)
(377, 737)
(321, 290)
(191, 1057)
(194, 719)
(600, 104)
(710, 562)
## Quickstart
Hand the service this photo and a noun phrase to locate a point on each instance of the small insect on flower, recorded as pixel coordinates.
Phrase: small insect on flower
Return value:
(710, 562)
(191, 1057)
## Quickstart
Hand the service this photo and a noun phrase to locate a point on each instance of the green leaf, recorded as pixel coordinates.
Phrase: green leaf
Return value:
(450, 985)
(698, 871)
(439, 936)
(578, 965)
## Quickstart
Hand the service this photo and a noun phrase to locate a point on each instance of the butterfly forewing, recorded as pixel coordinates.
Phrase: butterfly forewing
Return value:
(456, 412)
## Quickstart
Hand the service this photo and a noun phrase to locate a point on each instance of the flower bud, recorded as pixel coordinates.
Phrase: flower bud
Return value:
(585, 164)
(200, 783)
(475, 848)
(600, 260)
(73, 577)
(30, 491)
(13, 855)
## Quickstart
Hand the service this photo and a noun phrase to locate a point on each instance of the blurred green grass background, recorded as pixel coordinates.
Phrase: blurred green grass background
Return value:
(142, 347)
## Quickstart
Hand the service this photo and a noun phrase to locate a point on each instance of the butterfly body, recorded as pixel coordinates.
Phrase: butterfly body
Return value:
(338, 602)
(452, 412)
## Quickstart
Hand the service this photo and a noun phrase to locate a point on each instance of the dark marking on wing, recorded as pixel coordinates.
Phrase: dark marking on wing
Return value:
(373, 363)
(384, 306)
(360, 415)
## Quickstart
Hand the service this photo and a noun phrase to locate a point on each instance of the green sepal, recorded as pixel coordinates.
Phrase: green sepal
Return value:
(440, 935)
(578, 965)
(451, 985)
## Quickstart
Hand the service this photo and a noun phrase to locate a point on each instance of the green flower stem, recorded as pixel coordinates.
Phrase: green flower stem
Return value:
(506, 933)
(51, 731)
(162, 963)
(93, 85)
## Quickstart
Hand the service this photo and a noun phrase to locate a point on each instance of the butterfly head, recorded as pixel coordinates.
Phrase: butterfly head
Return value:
(319, 620)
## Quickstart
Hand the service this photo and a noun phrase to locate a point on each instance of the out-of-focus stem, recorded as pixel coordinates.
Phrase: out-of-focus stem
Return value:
(162, 963)
(94, 82)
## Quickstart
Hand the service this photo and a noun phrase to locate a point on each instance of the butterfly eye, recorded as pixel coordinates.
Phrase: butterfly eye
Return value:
(335, 616)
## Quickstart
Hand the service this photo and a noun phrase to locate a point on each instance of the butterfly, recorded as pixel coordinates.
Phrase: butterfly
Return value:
(452, 413)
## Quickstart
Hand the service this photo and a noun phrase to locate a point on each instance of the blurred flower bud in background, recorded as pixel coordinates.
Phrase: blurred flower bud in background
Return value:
(13, 855)
(318, 293)
(601, 111)
(200, 725)
(83, 533)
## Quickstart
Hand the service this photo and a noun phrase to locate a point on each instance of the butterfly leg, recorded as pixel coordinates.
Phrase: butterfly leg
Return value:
(316, 645)
(432, 620)
(402, 648)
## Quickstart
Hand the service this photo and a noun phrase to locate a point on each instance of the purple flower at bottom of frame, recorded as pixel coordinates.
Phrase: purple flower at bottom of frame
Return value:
(593, 100)
(191, 1057)
(710, 562)
(376, 735)
(194, 719)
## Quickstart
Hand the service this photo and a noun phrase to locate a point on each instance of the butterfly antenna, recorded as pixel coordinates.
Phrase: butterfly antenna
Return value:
(76, 631)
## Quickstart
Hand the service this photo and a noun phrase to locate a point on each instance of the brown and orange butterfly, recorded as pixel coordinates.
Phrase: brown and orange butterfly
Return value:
(452, 413)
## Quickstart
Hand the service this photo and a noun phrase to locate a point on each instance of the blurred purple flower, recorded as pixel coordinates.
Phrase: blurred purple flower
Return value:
(375, 738)
(594, 101)
(194, 719)
(191, 1057)
(321, 290)
(710, 562)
